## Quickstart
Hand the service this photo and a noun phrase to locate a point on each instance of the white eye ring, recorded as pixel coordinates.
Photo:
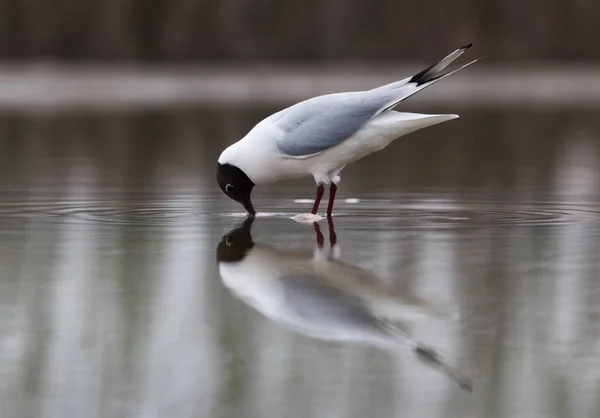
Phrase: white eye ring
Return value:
(228, 187)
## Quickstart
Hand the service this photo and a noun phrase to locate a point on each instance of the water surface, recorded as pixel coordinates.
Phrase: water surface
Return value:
(112, 305)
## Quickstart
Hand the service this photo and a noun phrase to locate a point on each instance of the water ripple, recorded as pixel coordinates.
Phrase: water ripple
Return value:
(181, 211)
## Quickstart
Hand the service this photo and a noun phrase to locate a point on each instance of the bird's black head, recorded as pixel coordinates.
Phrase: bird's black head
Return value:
(236, 184)
(236, 243)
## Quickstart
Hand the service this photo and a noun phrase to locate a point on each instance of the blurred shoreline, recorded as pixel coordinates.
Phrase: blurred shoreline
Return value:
(58, 87)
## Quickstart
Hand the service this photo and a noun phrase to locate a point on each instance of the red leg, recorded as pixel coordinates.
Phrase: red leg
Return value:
(332, 190)
(320, 191)
(320, 237)
(332, 234)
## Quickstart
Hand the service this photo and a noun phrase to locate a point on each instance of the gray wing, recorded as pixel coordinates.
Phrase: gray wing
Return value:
(317, 124)
(312, 299)
(320, 123)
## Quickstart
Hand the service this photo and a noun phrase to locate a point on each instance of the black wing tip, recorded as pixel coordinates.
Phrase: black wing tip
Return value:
(424, 76)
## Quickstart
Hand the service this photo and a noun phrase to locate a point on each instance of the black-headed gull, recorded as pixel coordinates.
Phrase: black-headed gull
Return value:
(320, 136)
(324, 298)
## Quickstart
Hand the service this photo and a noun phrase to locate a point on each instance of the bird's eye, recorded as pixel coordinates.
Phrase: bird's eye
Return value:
(228, 188)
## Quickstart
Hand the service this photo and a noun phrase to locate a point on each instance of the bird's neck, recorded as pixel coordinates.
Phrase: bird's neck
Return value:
(251, 156)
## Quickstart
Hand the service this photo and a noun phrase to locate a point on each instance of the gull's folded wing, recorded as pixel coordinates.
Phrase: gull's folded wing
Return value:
(314, 125)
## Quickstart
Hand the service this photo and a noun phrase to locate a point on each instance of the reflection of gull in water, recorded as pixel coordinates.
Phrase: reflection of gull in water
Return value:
(322, 297)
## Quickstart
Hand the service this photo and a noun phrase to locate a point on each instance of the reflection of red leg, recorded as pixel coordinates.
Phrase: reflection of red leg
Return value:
(320, 238)
(332, 235)
(332, 190)
(320, 191)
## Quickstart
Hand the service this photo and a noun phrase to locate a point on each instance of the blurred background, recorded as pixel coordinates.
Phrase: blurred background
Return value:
(112, 116)
(241, 31)
(89, 53)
